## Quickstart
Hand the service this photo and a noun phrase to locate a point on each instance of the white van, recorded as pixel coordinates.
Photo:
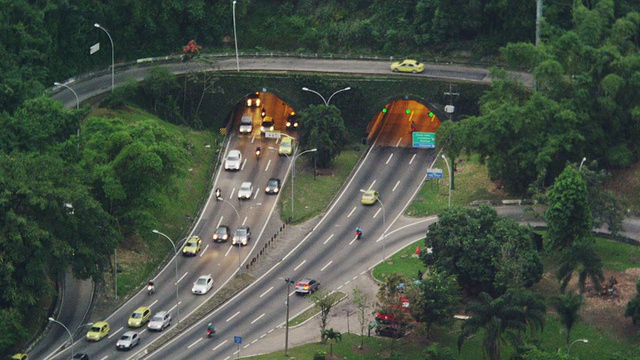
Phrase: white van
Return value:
(246, 124)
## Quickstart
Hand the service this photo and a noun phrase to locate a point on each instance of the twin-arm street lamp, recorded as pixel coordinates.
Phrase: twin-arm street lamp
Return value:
(326, 102)
(175, 261)
(112, 55)
(219, 198)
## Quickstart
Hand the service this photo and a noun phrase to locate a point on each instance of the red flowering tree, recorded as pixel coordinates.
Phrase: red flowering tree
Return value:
(191, 50)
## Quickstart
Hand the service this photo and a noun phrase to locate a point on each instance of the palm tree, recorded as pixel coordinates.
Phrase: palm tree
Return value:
(534, 310)
(633, 306)
(568, 306)
(434, 352)
(580, 257)
(329, 334)
(497, 317)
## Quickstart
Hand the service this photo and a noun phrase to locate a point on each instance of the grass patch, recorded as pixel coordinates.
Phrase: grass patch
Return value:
(402, 263)
(313, 194)
(471, 182)
(617, 256)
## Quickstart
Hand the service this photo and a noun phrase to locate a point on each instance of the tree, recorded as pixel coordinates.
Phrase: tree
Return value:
(568, 215)
(497, 317)
(568, 306)
(362, 303)
(633, 306)
(323, 130)
(440, 299)
(435, 352)
(329, 334)
(323, 302)
(583, 258)
(484, 252)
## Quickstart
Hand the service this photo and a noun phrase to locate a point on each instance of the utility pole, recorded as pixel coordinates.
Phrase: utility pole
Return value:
(449, 109)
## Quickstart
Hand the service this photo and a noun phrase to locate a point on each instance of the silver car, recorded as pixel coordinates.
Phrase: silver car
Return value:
(128, 340)
(233, 161)
(246, 190)
(242, 236)
(159, 321)
(246, 124)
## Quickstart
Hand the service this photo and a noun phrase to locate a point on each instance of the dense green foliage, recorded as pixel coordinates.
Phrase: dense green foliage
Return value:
(484, 252)
(587, 102)
(323, 130)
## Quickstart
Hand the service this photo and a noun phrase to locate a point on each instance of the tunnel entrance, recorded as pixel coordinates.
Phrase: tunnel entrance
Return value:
(395, 123)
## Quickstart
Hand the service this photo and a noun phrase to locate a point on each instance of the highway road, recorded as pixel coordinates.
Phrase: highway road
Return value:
(389, 166)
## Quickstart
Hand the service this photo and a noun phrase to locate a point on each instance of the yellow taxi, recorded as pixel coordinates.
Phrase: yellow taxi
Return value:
(408, 66)
(20, 357)
(98, 330)
(139, 317)
(286, 146)
(192, 246)
(369, 197)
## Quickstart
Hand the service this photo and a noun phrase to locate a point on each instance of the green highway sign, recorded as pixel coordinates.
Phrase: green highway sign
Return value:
(424, 140)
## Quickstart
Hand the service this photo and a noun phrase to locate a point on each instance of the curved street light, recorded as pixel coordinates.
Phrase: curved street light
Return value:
(74, 93)
(326, 102)
(235, 36)
(575, 341)
(219, 198)
(112, 55)
(450, 178)
(293, 172)
(175, 261)
(582, 162)
(68, 332)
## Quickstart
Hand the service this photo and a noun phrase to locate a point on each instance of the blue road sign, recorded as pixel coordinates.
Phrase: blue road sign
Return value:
(434, 173)
(237, 339)
(424, 140)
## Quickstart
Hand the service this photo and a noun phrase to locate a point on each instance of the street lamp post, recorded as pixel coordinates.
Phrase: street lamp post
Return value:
(74, 93)
(326, 102)
(293, 174)
(449, 169)
(112, 55)
(219, 198)
(384, 226)
(582, 162)
(235, 36)
(175, 261)
(575, 341)
(69, 332)
(286, 324)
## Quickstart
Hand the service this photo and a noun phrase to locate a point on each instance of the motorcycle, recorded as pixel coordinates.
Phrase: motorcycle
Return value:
(358, 234)
(150, 289)
(258, 152)
(210, 332)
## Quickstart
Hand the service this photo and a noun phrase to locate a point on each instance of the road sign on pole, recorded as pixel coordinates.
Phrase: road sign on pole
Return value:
(272, 135)
(237, 339)
(434, 173)
(424, 140)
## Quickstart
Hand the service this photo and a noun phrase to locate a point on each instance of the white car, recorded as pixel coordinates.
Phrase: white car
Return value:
(246, 190)
(128, 340)
(242, 236)
(202, 285)
(233, 161)
(246, 124)
(159, 321)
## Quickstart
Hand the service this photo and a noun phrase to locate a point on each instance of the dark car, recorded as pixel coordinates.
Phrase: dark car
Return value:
(307, 286)
(292, 121)
(253, 99)
(221, 234)
(80, 356)
(273, 186)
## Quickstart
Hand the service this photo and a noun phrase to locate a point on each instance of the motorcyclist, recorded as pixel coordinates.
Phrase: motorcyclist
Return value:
(258, 151)
(210, 329)
(358, 232)
(151, 287)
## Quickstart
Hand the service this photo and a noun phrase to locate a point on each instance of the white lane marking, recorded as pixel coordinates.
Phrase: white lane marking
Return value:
(265, 293)
(267, 168)
(355, 277)
(263, 335)
(232, 316)
(153, 303)
(222, 343)
(254, 341)
(389, 159)
(329, 263)
(205, 250)
(174, 306)
(228, 251)
(351, 212)
(347, 283)
(296, 268)
(220, 221)
(394, 188)
(353, 240)
(227, 358)
(194, 343)
(114, 333)
(269, 332)
(256, 195)
(371, 186)
(258, 318)
(182, 277)
(329, 238)
(232, 192)
(243, 163)
(377, 212)
(339, 287)
(245, 220)
(399, 140)
(413, 157)
(246, 346)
